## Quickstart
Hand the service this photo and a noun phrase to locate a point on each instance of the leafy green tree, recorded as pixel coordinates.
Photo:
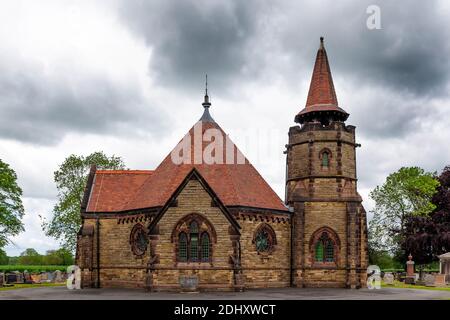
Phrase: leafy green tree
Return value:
(30, 257)
(4, 259)
(11, 207)
(405, 193)
(70, 179)
(60, 257)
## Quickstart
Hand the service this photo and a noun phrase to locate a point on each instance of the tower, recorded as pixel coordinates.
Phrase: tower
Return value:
(329, 227)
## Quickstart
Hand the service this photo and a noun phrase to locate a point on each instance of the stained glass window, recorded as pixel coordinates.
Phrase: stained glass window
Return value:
(325, 159)
(193, 229)
(319, 251)
(194, 241)
(324, 249)
(182, 247)
(138, 240)
(205, 247)
(262, 241)
(329, 251)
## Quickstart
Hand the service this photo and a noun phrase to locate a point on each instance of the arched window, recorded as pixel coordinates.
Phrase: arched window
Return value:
(194, 235)
(329, 251)
(325, 159)
(138, 240)
(325, 246)
(319, 251)
(205, 246)
(182, 247)
(264, 238)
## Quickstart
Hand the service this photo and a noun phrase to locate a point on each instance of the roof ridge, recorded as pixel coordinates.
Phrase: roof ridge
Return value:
(125, 171)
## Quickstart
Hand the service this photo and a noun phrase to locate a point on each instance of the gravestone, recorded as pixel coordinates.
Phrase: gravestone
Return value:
(429, 280)
(11, 278)
(27, 278)
(439, 280)
(51, 277)
(388, 278)
(410, 275)
(36, 278)
(188, 283)
(44, 277)
(58, 276)
(19, 277)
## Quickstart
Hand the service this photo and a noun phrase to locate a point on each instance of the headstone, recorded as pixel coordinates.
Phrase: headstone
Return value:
(19, 277)
(429, 280)
(410, 275)
(27, 278)
(388, 278)
(11, 278)
(188, 283)
(44, 277)
(36, 278)
(58, 276)
(439, 280)
(51, 277)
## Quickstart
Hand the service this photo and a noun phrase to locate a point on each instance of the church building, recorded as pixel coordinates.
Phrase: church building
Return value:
(213, 223)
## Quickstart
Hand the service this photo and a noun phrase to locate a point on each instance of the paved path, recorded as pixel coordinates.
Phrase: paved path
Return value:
(62, 293)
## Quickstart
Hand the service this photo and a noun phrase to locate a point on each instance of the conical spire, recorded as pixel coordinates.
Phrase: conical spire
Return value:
(206, 117)
(322, 102)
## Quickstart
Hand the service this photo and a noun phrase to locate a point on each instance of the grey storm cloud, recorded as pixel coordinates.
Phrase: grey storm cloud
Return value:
(191, 38)
(229, 40)
(38, 108)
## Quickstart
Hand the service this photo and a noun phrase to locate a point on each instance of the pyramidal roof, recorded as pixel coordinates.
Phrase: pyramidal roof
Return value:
(236, 184)
(321, 96)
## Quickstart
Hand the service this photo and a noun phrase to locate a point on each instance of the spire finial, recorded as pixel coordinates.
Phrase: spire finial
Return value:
(206, 102)
(321, 42)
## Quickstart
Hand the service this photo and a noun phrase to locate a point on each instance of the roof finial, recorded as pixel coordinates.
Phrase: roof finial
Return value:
(206, 102)
(321, 42)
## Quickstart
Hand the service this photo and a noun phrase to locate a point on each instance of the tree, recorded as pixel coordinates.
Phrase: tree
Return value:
(405, 193)
(61, 257)
(11, 207)
(427, 237)
(70, 179)
(4, 259)
(30, 257)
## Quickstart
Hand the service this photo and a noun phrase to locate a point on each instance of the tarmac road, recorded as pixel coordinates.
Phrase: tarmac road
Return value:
(62, 293)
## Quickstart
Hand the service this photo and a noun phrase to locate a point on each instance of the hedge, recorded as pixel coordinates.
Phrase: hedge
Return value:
(22, 268)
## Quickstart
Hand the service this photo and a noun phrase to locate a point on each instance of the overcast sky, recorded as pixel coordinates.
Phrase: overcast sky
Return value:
(127, 77)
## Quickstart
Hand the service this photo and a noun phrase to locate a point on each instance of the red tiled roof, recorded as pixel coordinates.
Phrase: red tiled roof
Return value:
(111, 189)
(235, 184)
(321, 95)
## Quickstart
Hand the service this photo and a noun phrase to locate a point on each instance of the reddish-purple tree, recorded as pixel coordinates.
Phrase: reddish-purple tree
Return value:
(427, 237)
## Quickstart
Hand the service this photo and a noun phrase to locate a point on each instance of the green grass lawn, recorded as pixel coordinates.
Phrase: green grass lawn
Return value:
(35, 285)
(398, 284)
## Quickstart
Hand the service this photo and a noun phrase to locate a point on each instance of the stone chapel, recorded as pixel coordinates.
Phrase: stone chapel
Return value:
(218, 225)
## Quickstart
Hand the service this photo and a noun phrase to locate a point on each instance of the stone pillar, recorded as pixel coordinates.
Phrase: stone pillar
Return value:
(235, 260)
(153, 261)
(410, 277)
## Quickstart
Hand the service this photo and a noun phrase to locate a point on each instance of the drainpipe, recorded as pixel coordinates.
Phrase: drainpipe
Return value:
(98, 252)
